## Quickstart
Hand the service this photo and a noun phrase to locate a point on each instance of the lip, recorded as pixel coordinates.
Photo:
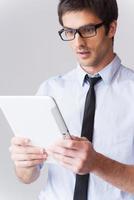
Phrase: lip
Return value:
(84, 54)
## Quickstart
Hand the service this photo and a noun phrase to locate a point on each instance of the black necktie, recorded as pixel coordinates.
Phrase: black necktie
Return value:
(81, 185)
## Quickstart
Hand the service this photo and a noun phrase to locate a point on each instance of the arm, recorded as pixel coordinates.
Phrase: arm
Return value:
(27, 175)
(118, 174)
(27, 159)
(79, 156)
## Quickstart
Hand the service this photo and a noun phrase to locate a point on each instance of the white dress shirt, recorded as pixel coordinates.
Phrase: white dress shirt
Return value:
(113, 126)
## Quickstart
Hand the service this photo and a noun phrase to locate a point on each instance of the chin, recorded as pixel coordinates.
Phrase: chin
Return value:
(86, 64)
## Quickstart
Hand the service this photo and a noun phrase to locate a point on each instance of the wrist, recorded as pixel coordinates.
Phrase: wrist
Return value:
(96, 162)
(27, 174)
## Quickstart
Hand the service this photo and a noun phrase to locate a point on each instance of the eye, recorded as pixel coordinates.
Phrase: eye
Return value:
(88, 29)
(69, 32)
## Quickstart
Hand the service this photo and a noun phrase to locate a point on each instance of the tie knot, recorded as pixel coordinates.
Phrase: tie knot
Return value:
(93, 80)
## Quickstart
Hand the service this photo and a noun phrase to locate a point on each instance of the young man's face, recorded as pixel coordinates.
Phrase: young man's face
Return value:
(95, 52)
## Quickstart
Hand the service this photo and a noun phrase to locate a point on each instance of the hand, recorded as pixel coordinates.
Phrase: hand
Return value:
(76, 154)
(24, 154)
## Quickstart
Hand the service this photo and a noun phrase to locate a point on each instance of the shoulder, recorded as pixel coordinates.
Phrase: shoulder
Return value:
(55, 82)
(125, 81)
(126, 73)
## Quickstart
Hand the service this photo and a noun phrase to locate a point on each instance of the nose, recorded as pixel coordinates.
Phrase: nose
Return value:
(78, 40)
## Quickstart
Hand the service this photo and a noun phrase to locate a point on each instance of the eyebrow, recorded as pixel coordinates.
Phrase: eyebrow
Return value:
(91, 24)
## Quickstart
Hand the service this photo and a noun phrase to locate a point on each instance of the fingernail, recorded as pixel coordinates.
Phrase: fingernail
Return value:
(42, 150)
(26, 141)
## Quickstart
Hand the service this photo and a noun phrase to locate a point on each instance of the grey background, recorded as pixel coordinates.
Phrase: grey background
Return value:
(30, 52)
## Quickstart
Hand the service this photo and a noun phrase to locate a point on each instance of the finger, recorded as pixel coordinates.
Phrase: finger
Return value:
(28, 157)
(64, 159)
(76, 144)
(84, 138)
(72, 168)
(70, 144)
(31, 163)
(26, 150)
(20, 141)
(75, 137)
(63, 151)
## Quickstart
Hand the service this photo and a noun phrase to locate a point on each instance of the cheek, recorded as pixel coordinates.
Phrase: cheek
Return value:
(101, 45)
(71, 45)
(99, 41)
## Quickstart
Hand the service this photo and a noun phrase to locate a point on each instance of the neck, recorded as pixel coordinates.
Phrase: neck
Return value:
(95, 69)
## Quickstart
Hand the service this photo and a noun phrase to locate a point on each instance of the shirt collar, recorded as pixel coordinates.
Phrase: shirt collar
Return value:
(107, 73)
(81, 74)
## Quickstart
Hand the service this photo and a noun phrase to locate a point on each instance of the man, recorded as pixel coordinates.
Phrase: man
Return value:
(107, 161)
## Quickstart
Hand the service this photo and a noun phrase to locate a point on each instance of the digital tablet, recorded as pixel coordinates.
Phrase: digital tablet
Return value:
(35, 117)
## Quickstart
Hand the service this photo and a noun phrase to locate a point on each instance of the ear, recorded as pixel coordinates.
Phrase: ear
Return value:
(112, 29)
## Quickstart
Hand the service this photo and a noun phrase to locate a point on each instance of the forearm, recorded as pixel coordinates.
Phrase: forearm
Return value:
(27, 175)
(118, 174)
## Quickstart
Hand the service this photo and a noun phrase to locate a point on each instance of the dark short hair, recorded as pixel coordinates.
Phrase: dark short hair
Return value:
(106, 10)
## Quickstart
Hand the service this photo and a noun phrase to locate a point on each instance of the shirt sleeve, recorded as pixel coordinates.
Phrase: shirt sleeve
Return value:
(40, 166)
(43, 89)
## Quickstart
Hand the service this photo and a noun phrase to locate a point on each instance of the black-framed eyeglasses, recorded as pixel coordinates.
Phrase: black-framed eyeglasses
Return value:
(87, 31)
